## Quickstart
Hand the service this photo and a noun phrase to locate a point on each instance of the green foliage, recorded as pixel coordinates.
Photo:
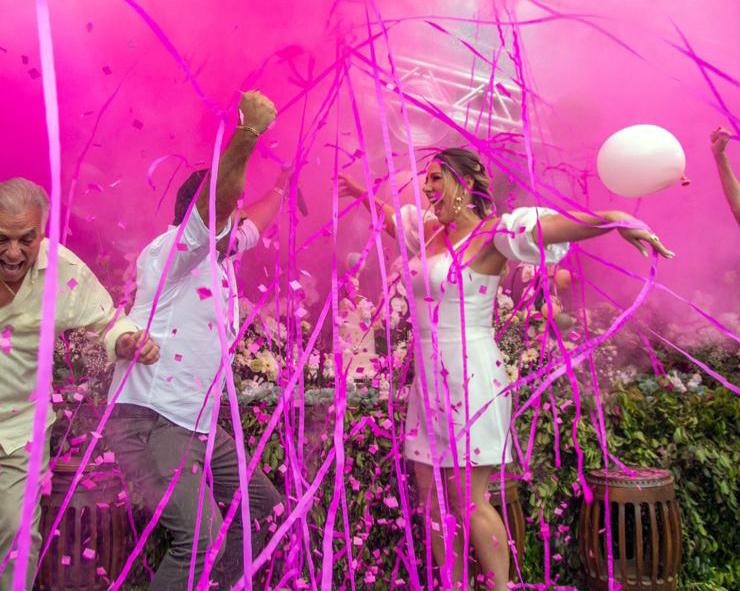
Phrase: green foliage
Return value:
(693, 434)
(648, 423)
(685, 422)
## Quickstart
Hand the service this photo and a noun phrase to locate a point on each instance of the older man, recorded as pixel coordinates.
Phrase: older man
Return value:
(164, 413)
(82, 302)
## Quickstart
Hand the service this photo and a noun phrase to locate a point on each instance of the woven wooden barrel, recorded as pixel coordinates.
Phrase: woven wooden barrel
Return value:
(94, 533)
(645, 529)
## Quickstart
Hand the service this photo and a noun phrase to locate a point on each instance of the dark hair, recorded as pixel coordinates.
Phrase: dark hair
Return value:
(185, 194)
(460, 163)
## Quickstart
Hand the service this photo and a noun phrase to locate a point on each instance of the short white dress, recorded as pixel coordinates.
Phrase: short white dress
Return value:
(445, 419)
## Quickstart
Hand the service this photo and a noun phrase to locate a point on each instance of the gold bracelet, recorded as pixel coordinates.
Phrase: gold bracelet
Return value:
(251, 130)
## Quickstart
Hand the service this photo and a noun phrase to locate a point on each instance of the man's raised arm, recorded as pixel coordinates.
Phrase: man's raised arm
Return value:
(257, 113)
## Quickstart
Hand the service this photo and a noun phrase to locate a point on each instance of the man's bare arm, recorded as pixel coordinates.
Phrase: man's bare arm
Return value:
(257, 112)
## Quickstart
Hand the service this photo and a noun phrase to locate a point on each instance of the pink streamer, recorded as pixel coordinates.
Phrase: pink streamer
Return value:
(48, 306)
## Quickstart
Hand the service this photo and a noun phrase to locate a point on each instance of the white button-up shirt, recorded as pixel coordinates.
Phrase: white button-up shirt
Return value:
(183, 384)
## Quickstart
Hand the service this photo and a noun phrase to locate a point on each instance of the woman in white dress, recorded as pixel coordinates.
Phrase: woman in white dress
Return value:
(456, 418)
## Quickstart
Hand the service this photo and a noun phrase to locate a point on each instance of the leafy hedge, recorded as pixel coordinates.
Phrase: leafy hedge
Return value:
(685, 422)
(693, 434)
(649, 422)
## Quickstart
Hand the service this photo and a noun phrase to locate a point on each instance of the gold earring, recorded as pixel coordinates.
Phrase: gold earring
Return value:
(458, 205)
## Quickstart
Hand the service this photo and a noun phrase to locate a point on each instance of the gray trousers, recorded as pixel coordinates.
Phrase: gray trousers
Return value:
(149, 448)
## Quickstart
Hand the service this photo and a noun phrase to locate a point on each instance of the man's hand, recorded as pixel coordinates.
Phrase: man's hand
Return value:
(129, 342)
(257, 111)
(719, 139)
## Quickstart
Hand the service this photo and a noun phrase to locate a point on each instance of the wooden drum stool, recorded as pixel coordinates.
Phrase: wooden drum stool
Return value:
(645, 526)
(92, 545)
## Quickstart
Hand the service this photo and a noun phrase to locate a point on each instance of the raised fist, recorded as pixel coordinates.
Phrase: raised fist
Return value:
(719, 139)
(257, 111)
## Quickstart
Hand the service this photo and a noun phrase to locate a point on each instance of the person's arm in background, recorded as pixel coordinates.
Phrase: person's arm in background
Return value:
(350, 188)
(263, 212)
(257, 113)
(730, 186)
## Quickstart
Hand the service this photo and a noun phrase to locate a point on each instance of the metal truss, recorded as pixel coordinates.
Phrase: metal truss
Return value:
(472, 100)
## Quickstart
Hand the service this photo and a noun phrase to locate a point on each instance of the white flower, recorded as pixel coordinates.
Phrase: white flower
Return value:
(399, 354)
(676, 381)
(314, 360)
(512, 371)
(626, 374)
(270, 365)
(531, 354)
(695, 381)
(366, 309)
(329, 368)
(527, 273)
(505, 303)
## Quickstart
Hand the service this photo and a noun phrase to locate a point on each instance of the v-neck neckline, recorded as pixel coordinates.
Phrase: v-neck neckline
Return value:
(454, 246)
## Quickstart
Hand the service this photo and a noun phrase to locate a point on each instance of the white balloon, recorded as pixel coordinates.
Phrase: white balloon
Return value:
(639, 160)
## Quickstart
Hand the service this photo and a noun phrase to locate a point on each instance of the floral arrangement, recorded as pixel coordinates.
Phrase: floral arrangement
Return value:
(82, 374)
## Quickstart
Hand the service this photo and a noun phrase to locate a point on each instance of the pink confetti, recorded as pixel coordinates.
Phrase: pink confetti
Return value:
(6, 337)
(204, 293)
(391, 502)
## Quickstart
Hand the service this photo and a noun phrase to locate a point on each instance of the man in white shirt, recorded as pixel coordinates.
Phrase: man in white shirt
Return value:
(163, 415)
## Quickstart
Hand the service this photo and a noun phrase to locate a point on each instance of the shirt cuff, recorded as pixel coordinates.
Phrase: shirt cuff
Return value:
(247, 236)
(199, 230)
(121, 326)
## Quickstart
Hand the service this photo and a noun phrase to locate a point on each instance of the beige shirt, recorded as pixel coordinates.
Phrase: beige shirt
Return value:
(82, 302)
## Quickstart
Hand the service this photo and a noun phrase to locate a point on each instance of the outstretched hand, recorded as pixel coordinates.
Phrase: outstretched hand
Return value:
(719, 139)
(350, 188)
(128, 343)
(641, 238)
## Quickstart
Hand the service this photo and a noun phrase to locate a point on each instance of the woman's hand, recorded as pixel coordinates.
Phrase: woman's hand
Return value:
(350, 188)
(638, 234)
(719, 139)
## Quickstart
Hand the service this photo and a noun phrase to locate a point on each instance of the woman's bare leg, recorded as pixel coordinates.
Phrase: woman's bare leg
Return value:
(487, 530)
(428, 499)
